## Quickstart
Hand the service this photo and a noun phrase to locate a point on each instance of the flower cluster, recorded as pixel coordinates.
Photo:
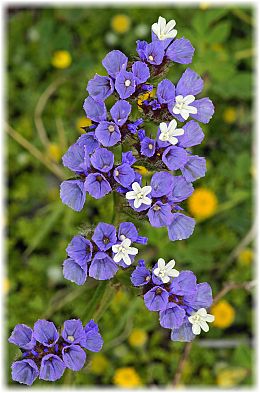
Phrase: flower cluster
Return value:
(46, 353)
(180, 301)
(100, 257)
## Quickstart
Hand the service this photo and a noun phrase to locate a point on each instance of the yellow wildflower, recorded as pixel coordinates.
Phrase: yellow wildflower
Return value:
(83, 122)
(137, 338)
(99, 364)
(224, 314)
(230, 115)
(121, 23)
(6, 285)
(54, 152)
(202, 203)
(145, 96)
(141, 169)
(204, 5)
(61, 59)
(126, 377)
(230, 377)
(245, 257)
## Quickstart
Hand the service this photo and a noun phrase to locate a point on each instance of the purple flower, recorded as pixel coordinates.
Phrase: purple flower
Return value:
(45, 332)
(193, 135)
(76, 158)
(97, 185)
(194, 168)
(100, 87)
(125, 84)
(73, 332)
(128, 158)
(93, 339)
(89, 142)
(189, 83)
(154, 52)
(102, 160)
(165, 91)
(141, 275)
(74, 357)
(181, 227)
(205, 110)
(183, 333)
(104, 236)
(181, 189)
(148, 147)
(172, 317)
(95, 110)
(156, 299)
(22, 336)
(174, 157)
(133, 127)
(160, 214)
(74, 272)
(25, 371)
(120, 112)
(140, 48)
(52, 368)
(114, 62)
(124, 175)
(161, 183)
(102, 267)
(181, 51)
(80, 249)
(72, 194)
(140, 71)
(107, 133)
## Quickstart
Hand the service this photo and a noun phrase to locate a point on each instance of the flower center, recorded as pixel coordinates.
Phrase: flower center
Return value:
(111, 128)
(158, 291)
(99, 178)
(156, 208)
(71, 338)
(127, 82)
(140, 195)
(117, 172)
(147, 278)
(150, 146)
(106, 240)
(151, 57)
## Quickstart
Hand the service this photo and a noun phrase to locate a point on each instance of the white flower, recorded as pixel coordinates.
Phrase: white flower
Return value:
(139, 195)
(165, 272)
(164, 30)
(123, 250)
(199, 321)
(169, 133)
(182, 106)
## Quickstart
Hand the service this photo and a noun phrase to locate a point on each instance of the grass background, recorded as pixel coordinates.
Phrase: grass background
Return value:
(40, 96)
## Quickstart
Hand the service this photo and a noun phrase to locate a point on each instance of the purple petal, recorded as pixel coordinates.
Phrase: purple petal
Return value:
(140, 49)
(45, 332)
(128, 230)
(102, 159)
(93, 341)
(74, 357)
(25, 371)
(181, 51)
(189, 83)
(80, 249)
(97, 185)
(100, 87)
(104, 236)
(107, 133)
(194, 168)
(141, 275)
(72, 194)
(22, 337)
(156, 299)
(165, 91)
(181, 227)
(154, 52)
(72, 271)
(76, 158)
(181, 189)
(128, 158)
(114, 62)
(183, 333)
(185, 284)
(88, 141)
(124, 175)
(120, 112)
(174, 157)
(148, 147)
(172, 317)
(193, 135)
(203, 297)
(125, 84)
(102, 267)
(73, 331)
(95, 110)
(141, 72)
(161, 183)
(205, 110)
(160, 214)
(52, 368)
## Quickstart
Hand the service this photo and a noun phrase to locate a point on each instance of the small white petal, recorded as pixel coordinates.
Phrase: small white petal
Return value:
(127, 259)
(192, 109)
(118, 257)
(136, 187)
(126, 242)
(163, 127)
(188, 99)
(209, 318)
(170, 264)
(156, 271)
(130, 195)
(204, 326)
(173, 273)
(172, 125)
(137, 203)
(161, 263)
(115, 248)
(146, 190)
(132, 251)
(196, 329)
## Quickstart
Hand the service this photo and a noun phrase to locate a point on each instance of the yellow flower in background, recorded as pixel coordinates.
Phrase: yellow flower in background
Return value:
(224, 314)
(145, 96)
(229, 377)
(6, 285)
(54, 152)
(202, 203)
(203, 5)
(137, 338)
(121, 23)
(83, 122)
(99, 364)
(126, 377)
(61, 59)
(230, 115)
(141, 169)
(245, 257)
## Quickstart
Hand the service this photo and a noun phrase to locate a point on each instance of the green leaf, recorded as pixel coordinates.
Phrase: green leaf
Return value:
(219, 33)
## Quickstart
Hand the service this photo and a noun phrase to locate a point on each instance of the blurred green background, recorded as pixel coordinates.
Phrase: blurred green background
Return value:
(51, 54)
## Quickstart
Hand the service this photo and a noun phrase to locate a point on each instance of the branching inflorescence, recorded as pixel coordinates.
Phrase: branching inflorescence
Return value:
(156, 124)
